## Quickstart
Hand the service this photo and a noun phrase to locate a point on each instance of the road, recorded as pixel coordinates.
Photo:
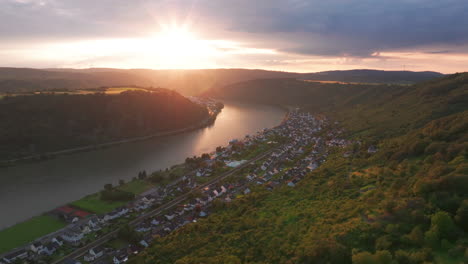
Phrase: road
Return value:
(83, 250)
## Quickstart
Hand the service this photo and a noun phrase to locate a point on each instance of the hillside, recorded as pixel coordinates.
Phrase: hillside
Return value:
(188, 82)
(36, 124)
(405, 203)
(372, 76)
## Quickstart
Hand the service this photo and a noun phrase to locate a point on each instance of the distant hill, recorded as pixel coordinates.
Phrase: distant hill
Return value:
(372, 76)
(188, 82)
(416, 103)
(24, 80)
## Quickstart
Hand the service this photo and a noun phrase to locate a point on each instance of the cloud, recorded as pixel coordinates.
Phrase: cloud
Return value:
(332, 28)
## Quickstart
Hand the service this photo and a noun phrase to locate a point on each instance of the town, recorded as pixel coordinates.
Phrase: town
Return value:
(282, 155)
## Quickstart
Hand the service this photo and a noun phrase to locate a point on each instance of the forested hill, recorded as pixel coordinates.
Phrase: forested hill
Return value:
(187, 82)
(372, 76)
(36, 124)
(405, 203)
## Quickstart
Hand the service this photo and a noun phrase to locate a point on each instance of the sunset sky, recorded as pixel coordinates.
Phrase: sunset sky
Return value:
(294, 35)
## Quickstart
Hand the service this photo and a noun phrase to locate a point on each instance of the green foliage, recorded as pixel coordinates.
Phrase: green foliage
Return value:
(129, 234)
(462, 215)
(37, 124)
(392, 206)
(28, 231)
(380, 257)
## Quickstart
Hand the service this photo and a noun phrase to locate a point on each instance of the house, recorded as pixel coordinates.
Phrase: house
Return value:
(12, 257)
(144, 243)
(170, 217)
(49, 249)
(72, 237)
(37, 247)
(247, 191)
(312, 166)
(94, 254)
(120, 258)
(372, 149)
(88, 257)
(58, 241)
(97, 251)
(143, 228)
(116, 213)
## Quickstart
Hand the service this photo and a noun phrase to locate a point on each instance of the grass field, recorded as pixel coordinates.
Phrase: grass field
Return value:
(28, 231)
(136, 187)
(92, 203)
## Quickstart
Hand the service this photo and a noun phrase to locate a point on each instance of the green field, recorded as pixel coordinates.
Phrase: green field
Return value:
(136, 186)
(28, 231)
(92, 203)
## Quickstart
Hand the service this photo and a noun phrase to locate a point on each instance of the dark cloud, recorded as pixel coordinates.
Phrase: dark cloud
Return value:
(313, 27)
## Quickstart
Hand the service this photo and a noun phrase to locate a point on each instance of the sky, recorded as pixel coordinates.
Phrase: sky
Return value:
(285, 35)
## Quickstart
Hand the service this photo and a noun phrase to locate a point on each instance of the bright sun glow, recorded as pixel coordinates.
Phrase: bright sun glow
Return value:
(172, 47)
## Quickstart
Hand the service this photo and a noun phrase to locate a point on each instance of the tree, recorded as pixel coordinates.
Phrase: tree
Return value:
(416, 236)
(383, 242)
(108, 187)
(383, 257)
(142, 175)
(129, 234)
(432, 238)
(461, 217)
(157, 177)
(443, 223)
(363, 258)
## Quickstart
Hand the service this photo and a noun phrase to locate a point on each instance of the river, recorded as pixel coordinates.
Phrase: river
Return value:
(31, 189)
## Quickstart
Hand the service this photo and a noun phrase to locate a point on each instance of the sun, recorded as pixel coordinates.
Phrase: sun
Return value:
(177, 42)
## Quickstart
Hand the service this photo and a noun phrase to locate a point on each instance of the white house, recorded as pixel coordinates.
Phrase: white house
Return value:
(37, 247)
(94, 253)
(58, 241)
(72, 237)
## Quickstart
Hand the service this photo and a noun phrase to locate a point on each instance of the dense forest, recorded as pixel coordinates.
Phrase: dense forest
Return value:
(35, 124)
(405, 203)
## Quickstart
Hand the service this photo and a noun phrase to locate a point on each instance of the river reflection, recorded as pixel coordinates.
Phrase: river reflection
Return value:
(31, 189)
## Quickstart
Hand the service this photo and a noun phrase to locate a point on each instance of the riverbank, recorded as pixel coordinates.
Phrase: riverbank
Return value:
(49, 155)
(124, 187)
(32, 188)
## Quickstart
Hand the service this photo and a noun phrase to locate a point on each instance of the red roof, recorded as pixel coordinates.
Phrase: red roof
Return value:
(65, 209)
(81, 214)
